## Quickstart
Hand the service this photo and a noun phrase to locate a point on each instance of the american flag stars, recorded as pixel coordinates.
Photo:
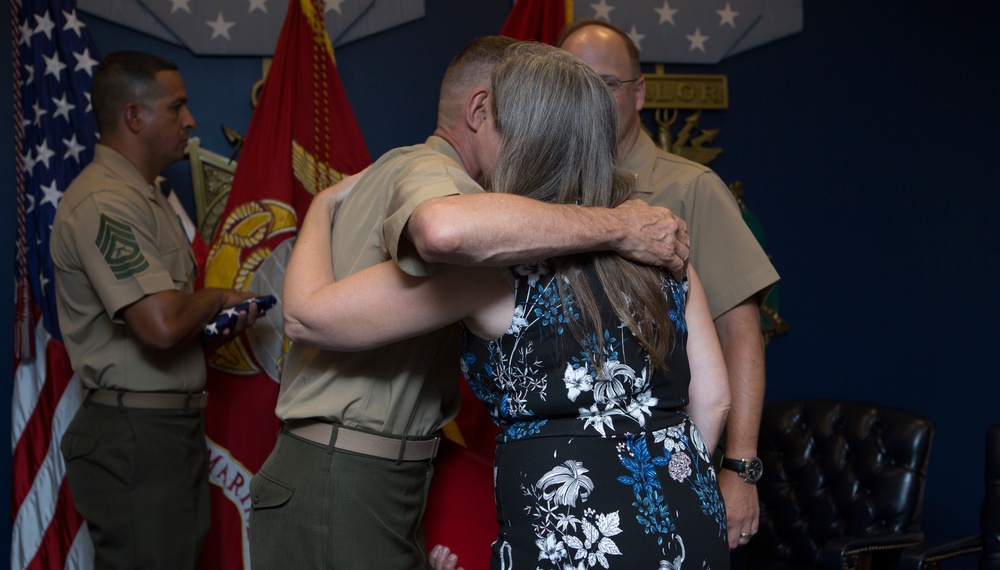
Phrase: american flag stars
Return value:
(247, 27)
(695, 31)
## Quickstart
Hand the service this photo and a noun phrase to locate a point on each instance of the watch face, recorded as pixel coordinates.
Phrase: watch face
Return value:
(754, 468)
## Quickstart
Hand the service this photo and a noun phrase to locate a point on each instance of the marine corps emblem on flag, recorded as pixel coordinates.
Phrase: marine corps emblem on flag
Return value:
(246, 246)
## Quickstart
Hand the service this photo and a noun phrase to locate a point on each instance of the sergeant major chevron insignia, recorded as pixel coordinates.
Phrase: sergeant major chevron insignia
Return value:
(117, 243)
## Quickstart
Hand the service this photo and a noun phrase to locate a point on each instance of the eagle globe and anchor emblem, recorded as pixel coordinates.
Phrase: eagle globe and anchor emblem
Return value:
(243, 258)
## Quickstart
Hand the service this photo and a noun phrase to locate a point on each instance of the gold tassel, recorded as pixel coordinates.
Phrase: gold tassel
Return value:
(24, 321)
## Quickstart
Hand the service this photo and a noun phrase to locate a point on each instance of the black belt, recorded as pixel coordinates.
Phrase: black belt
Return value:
(365, 443)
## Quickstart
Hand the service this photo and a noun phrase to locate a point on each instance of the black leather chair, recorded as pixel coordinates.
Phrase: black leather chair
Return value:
(985, 544)
(843, 484)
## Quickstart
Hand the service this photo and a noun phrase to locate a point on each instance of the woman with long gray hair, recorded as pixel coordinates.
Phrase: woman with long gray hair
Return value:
(605, 376)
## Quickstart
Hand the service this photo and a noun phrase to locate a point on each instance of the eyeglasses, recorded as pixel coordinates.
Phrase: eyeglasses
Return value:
(616, 84)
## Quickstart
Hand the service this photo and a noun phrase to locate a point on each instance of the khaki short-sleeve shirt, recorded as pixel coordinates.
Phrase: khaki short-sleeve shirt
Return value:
(410, 387)
(729, 260)
(116, 239)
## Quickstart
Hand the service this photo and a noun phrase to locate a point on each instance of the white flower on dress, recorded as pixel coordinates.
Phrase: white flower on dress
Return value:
(532, 271)
(570, 482)
(678, 561)
(519, 321)
(671, 438)
(597, 418)
(698, 442)
(638, 408)
(679, 467)
(577, 381)
(609, 388)
(597, 543)
(551, 548)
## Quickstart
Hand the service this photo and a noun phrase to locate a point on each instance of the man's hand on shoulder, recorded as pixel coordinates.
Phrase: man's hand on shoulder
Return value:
(654, 235)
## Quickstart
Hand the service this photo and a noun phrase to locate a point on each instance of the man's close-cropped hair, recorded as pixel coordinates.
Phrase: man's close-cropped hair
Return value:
(123, 77)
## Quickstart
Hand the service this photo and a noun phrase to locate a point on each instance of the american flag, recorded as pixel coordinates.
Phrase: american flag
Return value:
(54, 60)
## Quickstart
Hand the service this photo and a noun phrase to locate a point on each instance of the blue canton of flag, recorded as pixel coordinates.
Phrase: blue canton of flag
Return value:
(695, 31)
(55, 131)
(57, 61)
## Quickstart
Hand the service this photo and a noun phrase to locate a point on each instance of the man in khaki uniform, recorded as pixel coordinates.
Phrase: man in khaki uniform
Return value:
(136, 459)
(733, 268)
(346, 484)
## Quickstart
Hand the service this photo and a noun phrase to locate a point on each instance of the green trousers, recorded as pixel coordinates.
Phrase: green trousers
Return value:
(140, 480)
(317, 508)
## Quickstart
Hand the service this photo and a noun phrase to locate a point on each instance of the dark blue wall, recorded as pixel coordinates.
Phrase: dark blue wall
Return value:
(863, 143)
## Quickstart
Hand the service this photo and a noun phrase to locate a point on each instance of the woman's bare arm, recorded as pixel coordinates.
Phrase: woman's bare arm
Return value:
(709, 390)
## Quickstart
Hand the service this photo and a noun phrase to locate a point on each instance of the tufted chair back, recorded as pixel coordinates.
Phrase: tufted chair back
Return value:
(986, 543)
(835, 471)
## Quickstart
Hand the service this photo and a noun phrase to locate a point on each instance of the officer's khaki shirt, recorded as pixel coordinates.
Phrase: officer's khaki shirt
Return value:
(116, 239)
(729, 260)
(406, 388)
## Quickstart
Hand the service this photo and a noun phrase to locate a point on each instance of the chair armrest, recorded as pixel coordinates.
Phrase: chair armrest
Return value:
(923, 557)
(843, 553)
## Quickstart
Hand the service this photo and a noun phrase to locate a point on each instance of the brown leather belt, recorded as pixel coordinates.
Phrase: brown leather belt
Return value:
(149, 400)
(365, 443)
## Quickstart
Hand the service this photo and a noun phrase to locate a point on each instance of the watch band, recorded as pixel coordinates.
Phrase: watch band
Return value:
(737, 465)
(750, 469)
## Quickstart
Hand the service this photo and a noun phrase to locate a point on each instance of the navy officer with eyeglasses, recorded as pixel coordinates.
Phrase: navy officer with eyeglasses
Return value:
(733, 268)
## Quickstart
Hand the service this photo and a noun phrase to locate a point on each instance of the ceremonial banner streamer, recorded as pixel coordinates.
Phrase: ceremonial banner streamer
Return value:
(54, 59)
(302, 138)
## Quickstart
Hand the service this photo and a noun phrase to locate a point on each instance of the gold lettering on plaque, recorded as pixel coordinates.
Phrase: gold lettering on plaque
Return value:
(669, 94)
(667, 91)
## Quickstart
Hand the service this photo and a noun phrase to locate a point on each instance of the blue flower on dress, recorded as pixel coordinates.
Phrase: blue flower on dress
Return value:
(711, 501)
(678, 292)
(654, 514)
(521, 430)
(468, 359)
(549, 307)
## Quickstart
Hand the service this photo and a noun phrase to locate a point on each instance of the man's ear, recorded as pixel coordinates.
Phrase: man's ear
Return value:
(640, 93)
(132, 118)
(476, 109)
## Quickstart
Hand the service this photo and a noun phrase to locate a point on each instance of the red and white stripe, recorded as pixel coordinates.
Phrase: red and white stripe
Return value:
(45, 398)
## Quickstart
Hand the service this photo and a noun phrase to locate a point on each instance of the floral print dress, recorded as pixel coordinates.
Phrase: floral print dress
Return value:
(594, 468)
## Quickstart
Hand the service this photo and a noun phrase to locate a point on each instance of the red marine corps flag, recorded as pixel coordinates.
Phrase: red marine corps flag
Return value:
(302, 138)
(538, 20)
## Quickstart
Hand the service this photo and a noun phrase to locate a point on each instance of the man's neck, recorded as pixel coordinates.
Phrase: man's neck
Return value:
(627, 142)
(132, 153)
(463, 150)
